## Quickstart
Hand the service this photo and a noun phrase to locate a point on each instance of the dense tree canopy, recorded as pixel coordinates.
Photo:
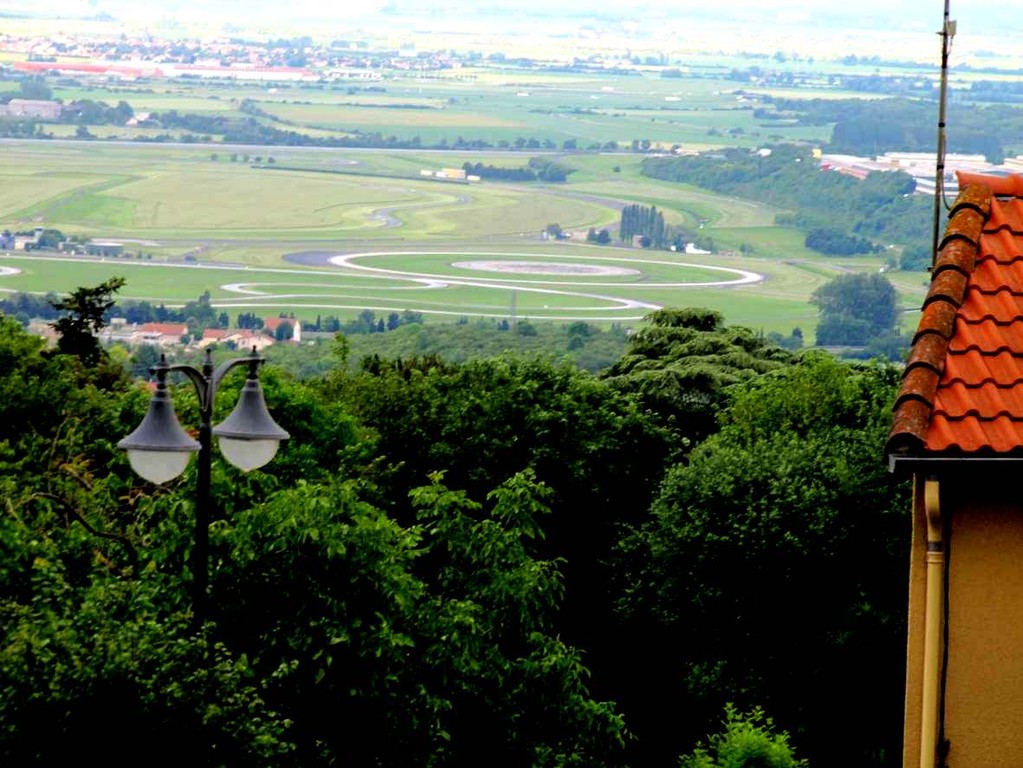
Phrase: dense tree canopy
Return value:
(336, 631)
(681, 363)
(503, 561)
(753, 568)
(879, 207)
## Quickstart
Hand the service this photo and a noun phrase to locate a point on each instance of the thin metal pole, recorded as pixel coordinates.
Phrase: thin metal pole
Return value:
(203, 497)
(206, 383)
(947, 30)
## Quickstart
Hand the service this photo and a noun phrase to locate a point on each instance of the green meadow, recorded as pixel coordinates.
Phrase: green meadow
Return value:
(168, 202)
(244, 208)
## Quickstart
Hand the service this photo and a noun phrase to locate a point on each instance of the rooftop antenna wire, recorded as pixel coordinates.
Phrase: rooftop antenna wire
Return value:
(948, 31)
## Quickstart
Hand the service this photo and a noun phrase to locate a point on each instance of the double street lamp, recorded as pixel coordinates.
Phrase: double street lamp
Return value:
(159, 449)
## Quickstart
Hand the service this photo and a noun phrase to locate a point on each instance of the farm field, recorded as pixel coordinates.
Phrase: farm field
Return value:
(499, 105)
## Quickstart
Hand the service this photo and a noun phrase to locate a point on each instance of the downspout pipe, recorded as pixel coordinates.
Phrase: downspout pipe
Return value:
(933, 608)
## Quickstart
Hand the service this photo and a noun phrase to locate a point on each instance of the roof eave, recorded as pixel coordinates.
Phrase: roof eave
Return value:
(903, 464)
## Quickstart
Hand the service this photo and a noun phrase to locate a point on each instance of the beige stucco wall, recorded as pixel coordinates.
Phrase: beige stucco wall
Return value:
(984, 693)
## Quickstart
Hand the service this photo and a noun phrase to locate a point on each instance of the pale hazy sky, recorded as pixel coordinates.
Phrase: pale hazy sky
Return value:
(973, 16)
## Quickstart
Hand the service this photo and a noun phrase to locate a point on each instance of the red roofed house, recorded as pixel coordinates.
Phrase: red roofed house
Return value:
(162, 334)
(958, 430)
(271, 324)
(242, 338)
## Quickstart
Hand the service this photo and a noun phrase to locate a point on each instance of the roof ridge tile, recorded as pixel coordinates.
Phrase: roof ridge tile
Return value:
(954, 262)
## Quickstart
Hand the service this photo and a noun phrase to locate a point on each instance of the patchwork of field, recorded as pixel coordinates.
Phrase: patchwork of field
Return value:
(704, 108)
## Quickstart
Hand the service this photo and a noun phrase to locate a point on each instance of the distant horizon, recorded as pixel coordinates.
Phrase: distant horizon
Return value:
(890, 31)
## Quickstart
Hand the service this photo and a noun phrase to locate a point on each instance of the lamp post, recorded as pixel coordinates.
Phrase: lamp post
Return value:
(159, 449)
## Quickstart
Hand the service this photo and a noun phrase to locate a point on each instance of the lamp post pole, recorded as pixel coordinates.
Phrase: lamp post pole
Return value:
(159, 449)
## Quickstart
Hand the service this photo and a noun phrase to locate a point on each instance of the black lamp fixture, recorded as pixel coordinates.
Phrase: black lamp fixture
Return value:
(159, 449)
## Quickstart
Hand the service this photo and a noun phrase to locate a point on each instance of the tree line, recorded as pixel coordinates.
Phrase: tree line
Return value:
(538, 169)
(879, 209)
(874, 126)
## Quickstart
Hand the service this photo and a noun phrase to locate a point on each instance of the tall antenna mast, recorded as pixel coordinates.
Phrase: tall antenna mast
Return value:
(948, 31)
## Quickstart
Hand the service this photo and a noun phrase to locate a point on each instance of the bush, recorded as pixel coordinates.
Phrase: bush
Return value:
(748, 741)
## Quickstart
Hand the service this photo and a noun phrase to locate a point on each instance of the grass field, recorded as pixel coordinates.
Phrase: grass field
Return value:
(165, 202)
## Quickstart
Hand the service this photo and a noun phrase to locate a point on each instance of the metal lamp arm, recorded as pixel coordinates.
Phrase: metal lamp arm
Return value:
(226, 366)
(207, 381)
(203, 387)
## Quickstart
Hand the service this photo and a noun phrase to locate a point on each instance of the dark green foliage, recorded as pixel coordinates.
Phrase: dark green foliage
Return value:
(26, 306)
(430, 644)
(646, 222)
(748, 740)
(498, 172)
(835, 242)
(458, 343)
(917, 258)
(84, 313)
(793, 341)
(485, 420)
(875, 126)
(443, 554)
(774, 564)
(879, 207)
(337, 634)
(87, 112)
(855, 308)
(35, 87)
(680, 365)
(284, 332)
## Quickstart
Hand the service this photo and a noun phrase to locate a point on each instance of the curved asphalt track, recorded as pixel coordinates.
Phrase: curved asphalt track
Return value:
(594, 307)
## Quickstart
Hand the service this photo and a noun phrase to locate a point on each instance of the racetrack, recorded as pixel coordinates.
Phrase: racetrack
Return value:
(567, 285)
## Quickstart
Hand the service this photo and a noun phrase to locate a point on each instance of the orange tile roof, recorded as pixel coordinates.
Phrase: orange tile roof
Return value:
(962, 390)
(166, 329)
(271, 323)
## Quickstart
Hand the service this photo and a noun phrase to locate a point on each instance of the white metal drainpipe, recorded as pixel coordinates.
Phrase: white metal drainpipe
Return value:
(932, 625)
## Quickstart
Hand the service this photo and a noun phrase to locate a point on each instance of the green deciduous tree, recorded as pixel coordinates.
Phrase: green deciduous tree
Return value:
(854, 308)
(422, 645)
(749, 740)
(83, 315)
(680, 364)
(774, 564)
(35, 87)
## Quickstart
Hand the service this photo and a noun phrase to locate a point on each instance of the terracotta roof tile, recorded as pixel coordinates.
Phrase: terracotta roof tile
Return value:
(928, 352)
(974, 368)
(988, 335)
(938, 318)
(959, 400)
(991, 275)
(948, 284)
(960, 254)
(973, 435)
(1005, 218)
(962, 391)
